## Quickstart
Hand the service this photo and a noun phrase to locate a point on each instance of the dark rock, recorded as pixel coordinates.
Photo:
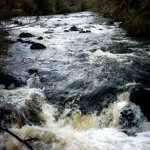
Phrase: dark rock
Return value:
(17, 22)
(7, 80)
(127, 117)
(49, 31)
(32, 71)
(4, 32)
(66, 30)
(98, 99)
(121, 24)
(110, 23)
(37, 46)
(20, 40)
(26, 35)
(141, 97)
(74, 28)
(82, 31)
(40, 38)
(88, 31)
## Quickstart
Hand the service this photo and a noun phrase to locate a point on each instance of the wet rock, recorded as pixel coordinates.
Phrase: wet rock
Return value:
(74, 28)
(32, 71)
(20, 40)
(17, 22)
(88, 31)
(127, 117)
(98, 99)
(49, 31)
(141, 96)
(120, 24)
(109, 23)
(5, 32)
(10, 81)
(66, 30)
(37, 46)
(25, 35)
(82, 31)
(40, 38)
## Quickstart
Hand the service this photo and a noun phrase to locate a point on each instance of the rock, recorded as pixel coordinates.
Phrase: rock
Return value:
(127, 117)
(26, 35)
(4, 32)
(40, 38)
(121, 24)
(20, 40)
(37, 46)
(109, 23)
(8, 80)
(88, 31)
(82, 31)
(141, 96)
(32, 71)
(74, 28)
(66, 30)
(49, 31)
(17, 22)
(98, 99)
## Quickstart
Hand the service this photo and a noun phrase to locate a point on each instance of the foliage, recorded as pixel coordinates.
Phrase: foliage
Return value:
(133, 13)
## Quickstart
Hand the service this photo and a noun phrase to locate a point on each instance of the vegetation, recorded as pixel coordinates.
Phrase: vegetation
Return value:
(134, 14)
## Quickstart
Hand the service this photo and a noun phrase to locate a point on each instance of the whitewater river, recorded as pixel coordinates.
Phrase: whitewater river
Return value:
(76, 93)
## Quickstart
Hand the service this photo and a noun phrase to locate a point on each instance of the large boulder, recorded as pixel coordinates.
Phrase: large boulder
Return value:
(25, 35)
(37, 46)
(10, 81)
(141, 97)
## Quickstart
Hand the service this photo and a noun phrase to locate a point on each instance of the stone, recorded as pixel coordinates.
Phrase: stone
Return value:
(37, 46)
(25, 35)
(66, 30)
(8, 80)
(17, 22)
(74, 28)
(40, 38)
(141, 97)
(110, 23)
(32, 71)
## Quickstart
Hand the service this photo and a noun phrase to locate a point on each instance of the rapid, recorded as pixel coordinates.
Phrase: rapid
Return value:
(80, 93)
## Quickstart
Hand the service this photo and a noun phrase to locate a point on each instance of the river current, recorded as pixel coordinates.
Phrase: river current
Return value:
(78, 96)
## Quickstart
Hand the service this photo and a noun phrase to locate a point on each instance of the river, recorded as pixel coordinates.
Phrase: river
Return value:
(76, 93)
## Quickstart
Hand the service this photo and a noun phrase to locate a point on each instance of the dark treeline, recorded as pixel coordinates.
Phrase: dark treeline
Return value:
(134, 14)
(41, 7)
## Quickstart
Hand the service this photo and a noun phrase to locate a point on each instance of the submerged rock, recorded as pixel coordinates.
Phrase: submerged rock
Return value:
(25, 35)
(37, 46)
(141, 97)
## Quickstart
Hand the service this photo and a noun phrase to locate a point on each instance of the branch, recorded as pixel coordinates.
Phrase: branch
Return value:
(25, 142)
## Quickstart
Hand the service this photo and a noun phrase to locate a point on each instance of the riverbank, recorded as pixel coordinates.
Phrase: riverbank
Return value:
(134, 15)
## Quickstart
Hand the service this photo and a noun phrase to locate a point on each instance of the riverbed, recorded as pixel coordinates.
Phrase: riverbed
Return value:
(75, 93)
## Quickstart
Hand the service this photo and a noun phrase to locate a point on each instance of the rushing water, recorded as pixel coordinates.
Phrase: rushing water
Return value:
(80, 97)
